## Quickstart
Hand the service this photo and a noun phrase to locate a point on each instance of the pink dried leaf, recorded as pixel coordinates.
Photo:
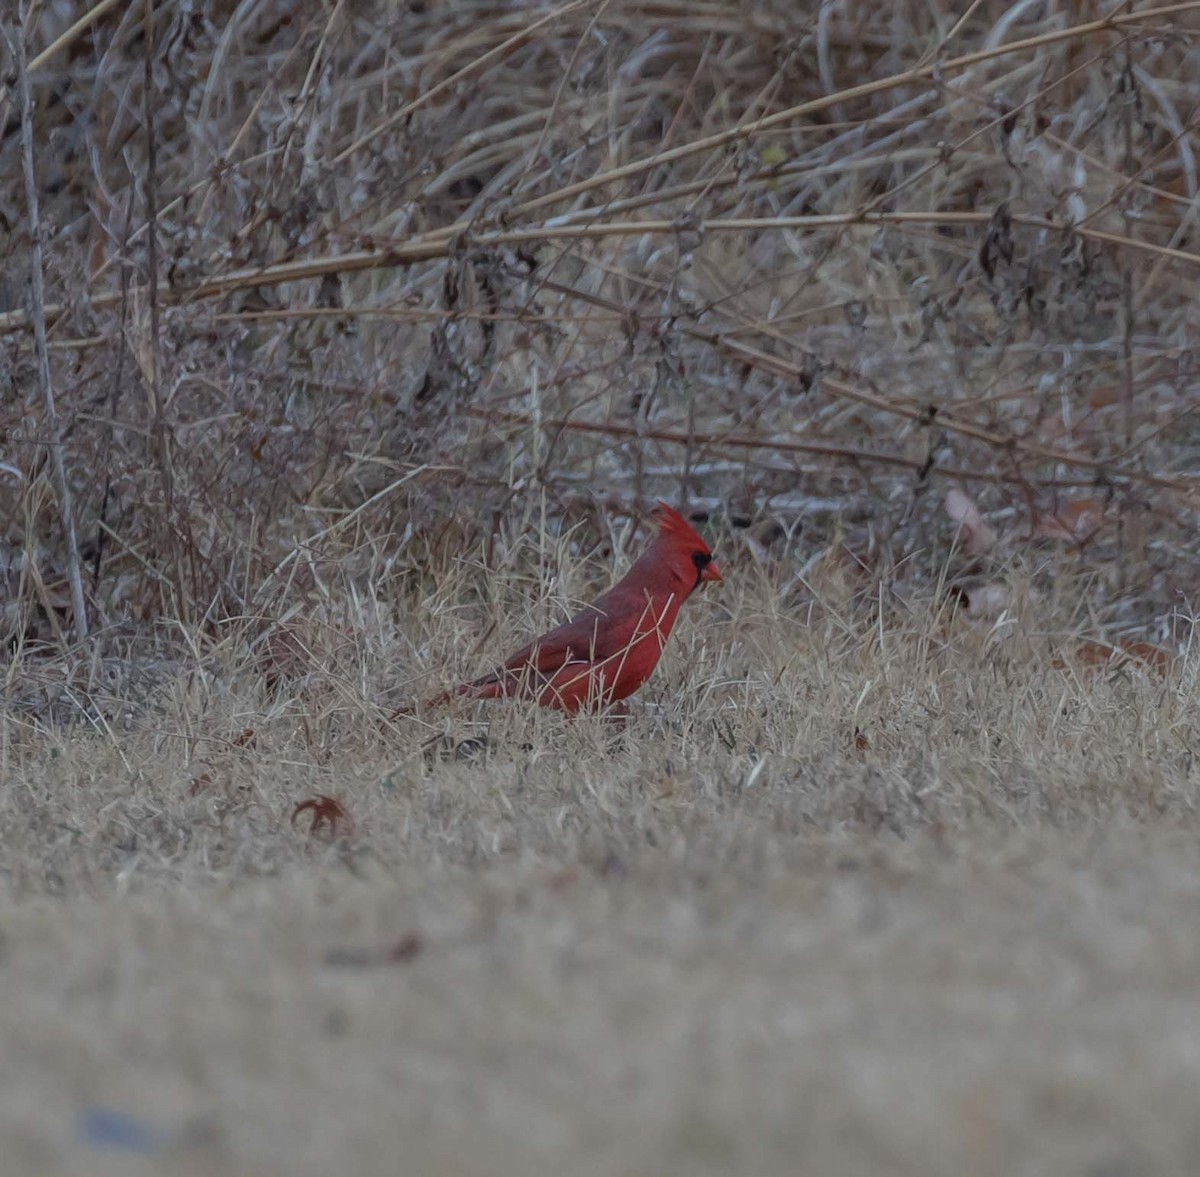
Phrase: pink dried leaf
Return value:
(975, 535)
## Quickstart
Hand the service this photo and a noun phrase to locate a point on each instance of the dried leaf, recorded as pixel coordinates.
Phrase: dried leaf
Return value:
(1077, 521)
(1150, 656)
(327, 813)
(1057, 431)
(976, 536)
(1102, 655)
(1105, 395)
(199, 784)
(997, 244)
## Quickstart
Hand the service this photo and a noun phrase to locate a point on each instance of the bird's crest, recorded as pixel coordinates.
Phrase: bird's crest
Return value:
(671, 522)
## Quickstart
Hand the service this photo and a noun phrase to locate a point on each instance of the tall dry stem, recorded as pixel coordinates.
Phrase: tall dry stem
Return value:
(161, 439)
(62, 486)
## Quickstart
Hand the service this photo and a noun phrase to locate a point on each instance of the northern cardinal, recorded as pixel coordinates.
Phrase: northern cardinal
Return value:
(611, 647)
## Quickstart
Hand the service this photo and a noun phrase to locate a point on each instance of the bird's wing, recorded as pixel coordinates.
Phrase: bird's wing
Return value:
(590, 636)
(603, 630)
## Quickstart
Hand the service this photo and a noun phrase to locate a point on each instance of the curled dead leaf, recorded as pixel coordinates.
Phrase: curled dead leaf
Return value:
(199, 784)
(326, 813)
(997, 244)
(976, 536)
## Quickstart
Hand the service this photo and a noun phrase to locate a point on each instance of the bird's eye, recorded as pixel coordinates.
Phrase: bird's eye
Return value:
(702, 560)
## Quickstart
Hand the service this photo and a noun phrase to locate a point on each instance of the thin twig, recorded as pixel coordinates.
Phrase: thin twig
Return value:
(471, 67)
(162, 446)
(790, 445)
(65, 38)
(433, 246)
(37, 312)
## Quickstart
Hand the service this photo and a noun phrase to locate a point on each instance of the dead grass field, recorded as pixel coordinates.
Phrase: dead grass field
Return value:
(730, 937)
(343, 345)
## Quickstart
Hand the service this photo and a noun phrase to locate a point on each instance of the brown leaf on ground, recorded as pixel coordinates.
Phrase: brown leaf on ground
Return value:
(1060, 433)
(199, 784)
(1101, 655)
(327, 813)
(1077, 522)
(977, 537)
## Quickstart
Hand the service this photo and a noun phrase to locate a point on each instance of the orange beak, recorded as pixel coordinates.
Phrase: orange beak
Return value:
(711, 571)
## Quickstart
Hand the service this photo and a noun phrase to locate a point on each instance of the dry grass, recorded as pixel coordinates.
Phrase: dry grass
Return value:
(369, 329)
(877, 887)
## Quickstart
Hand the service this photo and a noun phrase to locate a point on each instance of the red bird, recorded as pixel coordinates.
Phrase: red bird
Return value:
(611, 647)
